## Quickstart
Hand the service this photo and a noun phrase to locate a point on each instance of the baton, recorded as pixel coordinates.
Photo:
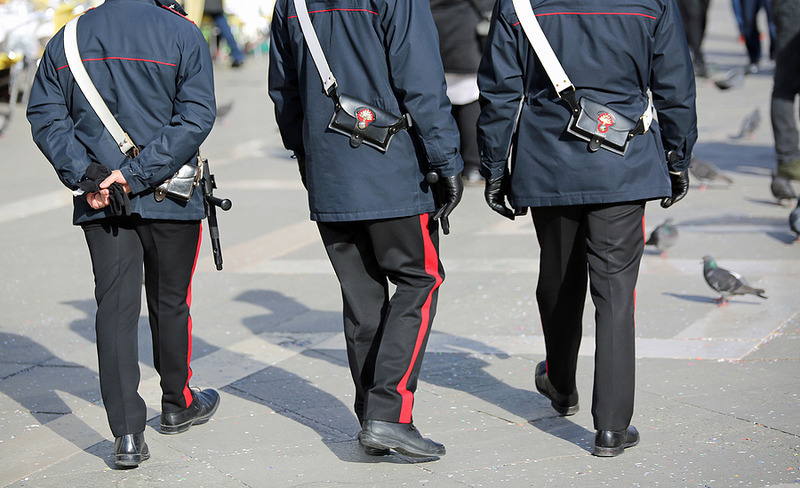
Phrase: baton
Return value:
(432, 177)
(210, 202)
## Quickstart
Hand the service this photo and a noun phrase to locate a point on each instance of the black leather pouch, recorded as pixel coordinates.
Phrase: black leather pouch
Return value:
(366, 124)
(602, 127)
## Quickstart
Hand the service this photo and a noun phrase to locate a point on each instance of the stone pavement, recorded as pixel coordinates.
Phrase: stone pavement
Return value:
(717, 387)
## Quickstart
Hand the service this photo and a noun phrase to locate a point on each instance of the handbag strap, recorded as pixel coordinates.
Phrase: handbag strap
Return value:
(312, 41)
(542, 46)
(553, 67)
(84, 82)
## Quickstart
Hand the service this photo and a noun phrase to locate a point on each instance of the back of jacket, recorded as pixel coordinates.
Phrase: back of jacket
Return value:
(153, 69)
(385, 53)
(614, 52)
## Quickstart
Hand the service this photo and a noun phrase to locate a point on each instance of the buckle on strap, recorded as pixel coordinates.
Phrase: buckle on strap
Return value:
(643, 124)
(569, 96)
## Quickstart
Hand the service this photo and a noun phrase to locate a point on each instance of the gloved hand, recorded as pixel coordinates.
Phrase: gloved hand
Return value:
(495, 195)
(449, 190)
(680, 187)
(95, 175)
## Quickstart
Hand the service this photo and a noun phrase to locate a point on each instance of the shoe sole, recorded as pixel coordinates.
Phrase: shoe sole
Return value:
(177, 429)
(612, 451)
(372, 451)
(565, 411)
(378, 442)
(130, 460)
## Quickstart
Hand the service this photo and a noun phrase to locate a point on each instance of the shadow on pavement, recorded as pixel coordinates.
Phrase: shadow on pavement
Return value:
(35, 376)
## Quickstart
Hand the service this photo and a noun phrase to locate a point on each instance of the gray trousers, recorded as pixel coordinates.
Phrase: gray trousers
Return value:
(787, 80)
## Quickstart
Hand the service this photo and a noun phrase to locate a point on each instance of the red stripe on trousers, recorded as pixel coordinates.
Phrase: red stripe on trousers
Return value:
(187, 393)
(432, 268)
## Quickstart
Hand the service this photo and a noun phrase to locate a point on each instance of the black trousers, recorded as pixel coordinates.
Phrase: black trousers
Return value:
(386, 335)
(467, 118)
(167, 251)
(608, 240)
(693, 16)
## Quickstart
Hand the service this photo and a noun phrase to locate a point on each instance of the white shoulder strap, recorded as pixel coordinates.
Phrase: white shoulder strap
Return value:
(541, 45)
(310, 35)
(89, 91)
(548, 58)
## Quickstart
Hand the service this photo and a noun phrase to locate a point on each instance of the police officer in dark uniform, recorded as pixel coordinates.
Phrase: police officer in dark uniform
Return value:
(153, 69)
(375, 209)
(587, 202)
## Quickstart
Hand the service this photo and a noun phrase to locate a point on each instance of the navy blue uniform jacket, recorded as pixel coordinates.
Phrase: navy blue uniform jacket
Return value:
(153, 69)
(613, 51)
(386, 53)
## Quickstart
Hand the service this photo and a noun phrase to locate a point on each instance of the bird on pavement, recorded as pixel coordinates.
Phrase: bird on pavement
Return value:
(794, 220)
(663, 237)
(733, 78)
(749, 125)
(782, 189)
(727, 283)
(223, 111)
(706, 172)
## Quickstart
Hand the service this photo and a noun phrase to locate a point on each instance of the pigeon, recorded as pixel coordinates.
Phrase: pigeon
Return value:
(706, 172)
(727, 283)
(224, 110)
(782, 189)
(733, 78)
(749, 125)
(663, 237)
(794, 220)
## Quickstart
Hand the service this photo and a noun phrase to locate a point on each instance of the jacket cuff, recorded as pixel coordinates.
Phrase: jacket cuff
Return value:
(492, 170)
(136, 183)
(452, 167)
(679, 166)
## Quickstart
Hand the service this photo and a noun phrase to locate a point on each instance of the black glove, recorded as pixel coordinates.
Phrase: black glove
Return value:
(94, 175)
(448, 191)
(680, 187)
(119, 201)
(118, 198)
(495, 195)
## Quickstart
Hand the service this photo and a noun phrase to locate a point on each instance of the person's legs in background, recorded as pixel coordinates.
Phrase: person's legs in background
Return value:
(467, 118)
(227, 34)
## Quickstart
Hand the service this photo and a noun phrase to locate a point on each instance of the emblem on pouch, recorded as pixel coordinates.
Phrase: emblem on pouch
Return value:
(604, 122)
(364, 116)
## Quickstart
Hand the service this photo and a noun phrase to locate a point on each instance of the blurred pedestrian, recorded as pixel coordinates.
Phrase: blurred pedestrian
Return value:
(586, 192)
(693, 16)
(152, 68)
(457, 22)
(215, 10)
(786, 88)
(369, 195)
(752, 34)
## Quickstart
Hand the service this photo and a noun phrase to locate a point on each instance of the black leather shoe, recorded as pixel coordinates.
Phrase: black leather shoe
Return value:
(564, 404)
(371, 451)
(403, 438)
(130, 450)
(608, 443)
(204, 404)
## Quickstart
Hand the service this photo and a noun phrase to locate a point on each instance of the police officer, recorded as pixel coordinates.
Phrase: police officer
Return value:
(587, 202)
(152, 68)
(375, 210)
